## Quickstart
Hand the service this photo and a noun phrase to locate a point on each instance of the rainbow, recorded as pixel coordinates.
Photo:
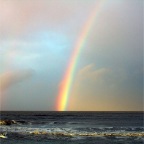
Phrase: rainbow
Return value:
(64, 89)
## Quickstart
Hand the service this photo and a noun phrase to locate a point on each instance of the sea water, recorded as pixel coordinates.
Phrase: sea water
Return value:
(73, 128)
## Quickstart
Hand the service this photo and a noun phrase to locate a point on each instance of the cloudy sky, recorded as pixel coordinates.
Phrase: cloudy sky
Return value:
(37, 40)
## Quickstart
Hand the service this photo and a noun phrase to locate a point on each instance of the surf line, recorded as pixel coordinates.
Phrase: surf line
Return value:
(65, 85)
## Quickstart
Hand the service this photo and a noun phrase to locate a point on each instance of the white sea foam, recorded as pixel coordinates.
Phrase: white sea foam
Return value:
(70, 132)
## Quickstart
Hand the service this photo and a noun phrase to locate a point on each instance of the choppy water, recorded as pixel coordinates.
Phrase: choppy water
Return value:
(73, 128)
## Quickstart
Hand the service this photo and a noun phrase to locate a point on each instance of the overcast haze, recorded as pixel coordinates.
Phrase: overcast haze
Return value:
(37, 39)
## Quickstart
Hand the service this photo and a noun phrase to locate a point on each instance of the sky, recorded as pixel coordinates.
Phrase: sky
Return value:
(38, 39)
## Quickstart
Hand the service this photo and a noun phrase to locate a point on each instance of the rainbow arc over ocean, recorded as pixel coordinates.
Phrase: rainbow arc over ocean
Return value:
(65, 86)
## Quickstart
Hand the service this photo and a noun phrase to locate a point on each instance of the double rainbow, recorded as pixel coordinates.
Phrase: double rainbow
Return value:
(64, 90)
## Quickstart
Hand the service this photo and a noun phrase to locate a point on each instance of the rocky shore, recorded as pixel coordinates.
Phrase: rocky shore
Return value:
(7, 122)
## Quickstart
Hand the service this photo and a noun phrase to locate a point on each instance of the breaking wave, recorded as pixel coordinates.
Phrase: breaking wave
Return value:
(71, 132)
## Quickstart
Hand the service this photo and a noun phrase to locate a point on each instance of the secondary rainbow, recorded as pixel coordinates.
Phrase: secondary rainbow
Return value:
(64, 89)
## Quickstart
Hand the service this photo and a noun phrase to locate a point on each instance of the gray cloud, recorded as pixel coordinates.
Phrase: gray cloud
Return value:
(9, 79)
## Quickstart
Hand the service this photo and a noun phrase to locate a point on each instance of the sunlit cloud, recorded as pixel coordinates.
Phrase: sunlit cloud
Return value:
(102, 89)
(9, 79)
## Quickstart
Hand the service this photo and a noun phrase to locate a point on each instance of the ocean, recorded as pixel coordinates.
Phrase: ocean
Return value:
(48, 127)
